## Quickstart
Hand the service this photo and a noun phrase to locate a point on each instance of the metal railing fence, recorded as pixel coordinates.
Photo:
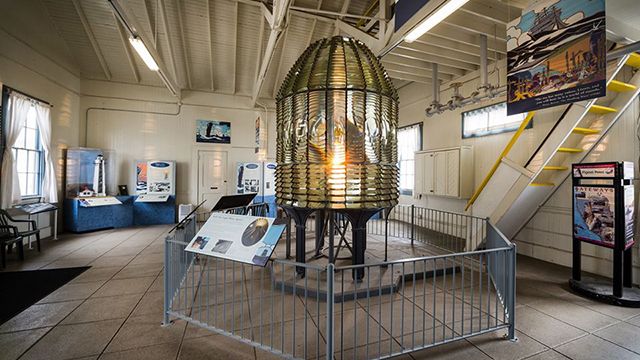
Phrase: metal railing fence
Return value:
(400, 306)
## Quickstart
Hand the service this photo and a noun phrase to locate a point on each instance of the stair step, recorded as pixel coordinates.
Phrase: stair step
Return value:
(569, 150)
(585, 131)
(600, 109)
(634, 60)
(542, 184)
(619, 86)
(555, 168)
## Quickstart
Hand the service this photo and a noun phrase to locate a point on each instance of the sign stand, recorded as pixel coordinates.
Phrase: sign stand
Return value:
(603, 215)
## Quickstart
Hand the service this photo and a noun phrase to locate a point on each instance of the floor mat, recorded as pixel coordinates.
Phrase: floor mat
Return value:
(21, 289)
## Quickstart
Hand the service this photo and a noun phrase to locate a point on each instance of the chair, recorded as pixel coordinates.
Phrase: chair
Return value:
(9, 234)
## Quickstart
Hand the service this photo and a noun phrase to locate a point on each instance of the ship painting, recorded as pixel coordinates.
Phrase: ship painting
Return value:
(211, 131)
(556, 54)
(547, 20)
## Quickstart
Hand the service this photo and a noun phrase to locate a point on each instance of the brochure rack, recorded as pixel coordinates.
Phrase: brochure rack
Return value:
(603, 215)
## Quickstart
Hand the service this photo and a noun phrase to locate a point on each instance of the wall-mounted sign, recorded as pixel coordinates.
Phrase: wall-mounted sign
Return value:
(212, 131)
(556, 54)
(155, 177)
(247, 239)
(99, 201)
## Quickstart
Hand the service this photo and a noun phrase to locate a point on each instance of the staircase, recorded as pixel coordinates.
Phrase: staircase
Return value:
(512, 193)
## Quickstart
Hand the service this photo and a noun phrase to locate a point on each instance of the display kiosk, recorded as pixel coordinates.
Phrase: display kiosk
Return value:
(603, 215)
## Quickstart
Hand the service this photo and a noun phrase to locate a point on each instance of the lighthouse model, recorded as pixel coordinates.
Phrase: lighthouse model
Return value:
(98, 176)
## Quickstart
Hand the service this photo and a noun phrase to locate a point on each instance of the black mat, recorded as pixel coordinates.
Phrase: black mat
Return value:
(21, 289)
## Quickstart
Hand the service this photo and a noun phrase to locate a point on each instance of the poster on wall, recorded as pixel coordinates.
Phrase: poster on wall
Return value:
(249, 178)
(629, 214)
(594, 214)
(247, 239)
(556, 54)
(212, 131)
(155, 177)
(257, 140)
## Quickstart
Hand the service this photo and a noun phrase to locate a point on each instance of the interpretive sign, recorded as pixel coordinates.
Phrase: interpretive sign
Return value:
(556, 54)
(247, 239)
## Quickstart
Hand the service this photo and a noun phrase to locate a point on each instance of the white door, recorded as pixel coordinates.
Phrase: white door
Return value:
(418, 175)
(428, 174)
(453, 173)
(441, 173)
(212, 177)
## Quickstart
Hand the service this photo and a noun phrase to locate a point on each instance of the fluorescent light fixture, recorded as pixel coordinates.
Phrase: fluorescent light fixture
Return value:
(434, 19)
(144, 53)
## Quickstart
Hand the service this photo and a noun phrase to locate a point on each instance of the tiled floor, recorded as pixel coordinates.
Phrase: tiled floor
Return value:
(114, 310)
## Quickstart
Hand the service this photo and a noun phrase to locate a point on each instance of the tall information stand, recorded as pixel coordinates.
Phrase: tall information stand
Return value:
(603, 215)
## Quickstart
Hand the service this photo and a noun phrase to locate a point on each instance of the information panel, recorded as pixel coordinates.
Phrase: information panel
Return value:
(247, 239)
(556, 54)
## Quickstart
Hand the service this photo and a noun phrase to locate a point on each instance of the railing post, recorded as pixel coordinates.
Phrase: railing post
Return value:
(512, 295)
(413, 223)
(330, 303)
(167, 290)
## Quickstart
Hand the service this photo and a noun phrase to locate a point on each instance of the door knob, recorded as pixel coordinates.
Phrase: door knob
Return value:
(214, 188)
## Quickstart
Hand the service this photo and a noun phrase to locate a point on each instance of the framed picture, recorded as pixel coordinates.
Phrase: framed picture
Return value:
(213, 132)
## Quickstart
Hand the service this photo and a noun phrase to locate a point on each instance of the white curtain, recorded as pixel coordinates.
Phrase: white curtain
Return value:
(49, 185)
(17, 108)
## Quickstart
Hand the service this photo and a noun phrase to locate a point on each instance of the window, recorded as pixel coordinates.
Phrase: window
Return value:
(29, 157)
(490, 120)
(409, 141)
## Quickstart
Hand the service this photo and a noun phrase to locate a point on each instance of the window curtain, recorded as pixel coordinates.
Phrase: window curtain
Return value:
(17, 108)
(49, 184)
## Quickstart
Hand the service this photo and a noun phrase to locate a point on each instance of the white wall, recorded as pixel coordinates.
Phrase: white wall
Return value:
(548, 234)
(146, 123)
(22, 68)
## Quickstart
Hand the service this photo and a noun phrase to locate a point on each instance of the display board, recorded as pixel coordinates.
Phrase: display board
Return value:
(155, 177)
(89, 172)
(247, 239)
(258, 178)
(556, 54)
(99, 201)
(603, 210)
(152, 198)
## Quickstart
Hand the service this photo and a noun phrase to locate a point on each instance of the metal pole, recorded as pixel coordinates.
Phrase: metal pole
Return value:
(512, 296)
(167, 290)
(330, 304)
(413, 223)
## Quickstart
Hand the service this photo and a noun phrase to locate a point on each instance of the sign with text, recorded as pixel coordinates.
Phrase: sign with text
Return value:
(247, 239)
(556, 54)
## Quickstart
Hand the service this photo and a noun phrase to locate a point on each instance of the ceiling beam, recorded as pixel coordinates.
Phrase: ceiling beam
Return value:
(409, 77)
(235, 47)
(167, 33)
(152, 24)
(452, 46)
(420, 64)
(521, 4)
(423, 72)
(453, 33)
(280, 60)
(185, 51)
(279, 14)
(476, 25)
(92, 38)
(127, 49)
(441, 52)
(210, 44)
(491, 10)
(414, 54)
(260, 45)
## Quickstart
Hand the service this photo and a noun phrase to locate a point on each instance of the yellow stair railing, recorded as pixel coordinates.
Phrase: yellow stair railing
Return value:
(504, 154)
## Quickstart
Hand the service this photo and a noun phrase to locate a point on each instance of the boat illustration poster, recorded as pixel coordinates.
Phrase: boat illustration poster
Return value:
(212, 131)
(594, 214)
(556, 54)
(247, 239)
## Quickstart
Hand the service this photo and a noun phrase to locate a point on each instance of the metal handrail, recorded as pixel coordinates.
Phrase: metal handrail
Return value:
(504, 154)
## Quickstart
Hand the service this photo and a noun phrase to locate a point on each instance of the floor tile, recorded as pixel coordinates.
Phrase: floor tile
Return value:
(103, 308)
(548, 355)
(151, 303)
(573, 314)
(74, 341)
(154, 352)
(109, 261)
(215, 347)
(458, 350)
(79, 291)
(146, 330)
(591, 347)
(622, 334)
(96, 274)
(117, 287)
(545, 329)
(141, 270)
(39, 315)
(15, 343)
(497, 347)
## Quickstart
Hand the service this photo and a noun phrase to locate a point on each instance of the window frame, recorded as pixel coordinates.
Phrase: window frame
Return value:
(38, 149)
(490, 133)
(420, 125)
